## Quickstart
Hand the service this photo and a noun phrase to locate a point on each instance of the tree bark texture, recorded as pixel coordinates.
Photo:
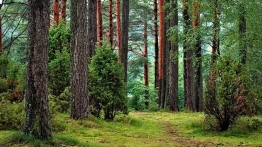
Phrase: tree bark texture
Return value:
(110, 19)
(215, 42)
(166, 52)
(161, 48)
(37, 121)
(242, 32)
(118, 28)
(92, 27)
(146, 66)
(188, 60)
(156, 43)
(124, 30)
(78, 25)
(56, 12)
(99, 22)
(64, 10)
(211, 83)
(173, 63)
(198, 85)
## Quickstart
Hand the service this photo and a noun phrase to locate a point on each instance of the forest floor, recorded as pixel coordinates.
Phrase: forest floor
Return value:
(140, 129)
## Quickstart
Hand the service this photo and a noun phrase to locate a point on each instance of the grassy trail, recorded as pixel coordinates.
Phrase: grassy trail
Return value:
(138, 129)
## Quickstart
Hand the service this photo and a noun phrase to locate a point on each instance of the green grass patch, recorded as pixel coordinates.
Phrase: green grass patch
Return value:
(145, 129)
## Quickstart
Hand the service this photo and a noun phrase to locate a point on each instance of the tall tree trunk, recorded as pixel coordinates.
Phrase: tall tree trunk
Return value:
(78, 25)
(215, 42)
(161, 48)
(173, 62)
(118, 28)
(156, 44)
(198, 85)
(37, 121)
(56, 12)
(99, 22)
(92, 28)
(64, 10)
(146, 66)
(211, 83)
(242, 32)
(124, 41)
(188, 61)
(110, 16)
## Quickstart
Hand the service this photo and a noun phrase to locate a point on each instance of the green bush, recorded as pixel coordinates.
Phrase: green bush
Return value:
(59, 58)
(59, 39)
(137, 99)
(107, 90)
(12, 78)
(59, 73)
(11, 114)
(226, 96)
(60, 103)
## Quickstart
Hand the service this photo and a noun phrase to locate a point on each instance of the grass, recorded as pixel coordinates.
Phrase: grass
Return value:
(141, 129)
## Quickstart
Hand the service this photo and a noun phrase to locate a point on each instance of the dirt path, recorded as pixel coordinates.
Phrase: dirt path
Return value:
(173, 137)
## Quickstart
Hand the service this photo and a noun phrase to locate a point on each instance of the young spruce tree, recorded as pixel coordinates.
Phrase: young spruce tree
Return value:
(106, 83)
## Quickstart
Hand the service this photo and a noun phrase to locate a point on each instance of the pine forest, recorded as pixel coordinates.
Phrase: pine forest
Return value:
(130, 73)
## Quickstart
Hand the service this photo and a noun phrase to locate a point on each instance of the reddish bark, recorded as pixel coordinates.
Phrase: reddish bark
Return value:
(161, 47)
(161, 38)
(146, 66)
(56, 12)
(118, 28)
(198, 86)
(64, 10)
(156, 43)
(99, 22)
(110, 12)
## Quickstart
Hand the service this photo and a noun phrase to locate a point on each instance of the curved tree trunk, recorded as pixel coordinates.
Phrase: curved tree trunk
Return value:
(37, 121)
(78, 25)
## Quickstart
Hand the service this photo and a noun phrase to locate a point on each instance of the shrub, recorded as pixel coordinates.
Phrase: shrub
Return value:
(107, 90)
(12, 78)
(226, 95)
(62, 102)
(11, 114)
(59, 58)
(137, 96)
(59, 73)
(59, 39)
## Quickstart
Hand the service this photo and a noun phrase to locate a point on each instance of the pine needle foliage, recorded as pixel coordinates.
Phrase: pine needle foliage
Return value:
(226, 96)
(107, 90)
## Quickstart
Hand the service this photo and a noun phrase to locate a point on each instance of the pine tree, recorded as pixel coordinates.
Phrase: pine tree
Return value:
(37, 121)
(80, 100)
